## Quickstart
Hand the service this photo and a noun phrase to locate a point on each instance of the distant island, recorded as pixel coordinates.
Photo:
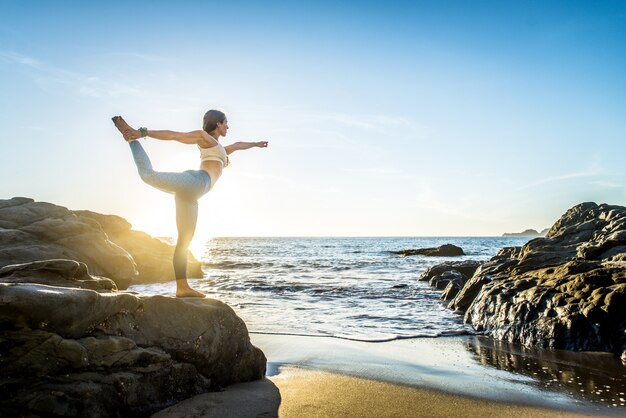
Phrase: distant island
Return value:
(527, 233)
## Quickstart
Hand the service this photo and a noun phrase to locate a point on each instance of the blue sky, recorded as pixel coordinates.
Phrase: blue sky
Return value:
(403, 118)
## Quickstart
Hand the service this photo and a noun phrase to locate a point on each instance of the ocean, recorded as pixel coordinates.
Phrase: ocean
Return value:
(351, 288)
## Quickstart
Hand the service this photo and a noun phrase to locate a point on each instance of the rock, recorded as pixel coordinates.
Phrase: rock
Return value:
(441, 281)
(255, 399)
(33, 231)
(450, 276)
(564, 291)
(64, 273)
(78, 352)
(467, 268)
(152, 256)
(584, 311)
(446, 250)
(71, 345)
(472, 287)
(451, 290)
(58, 378)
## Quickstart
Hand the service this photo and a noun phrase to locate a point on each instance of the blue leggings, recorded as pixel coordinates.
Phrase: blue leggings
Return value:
(187, 188)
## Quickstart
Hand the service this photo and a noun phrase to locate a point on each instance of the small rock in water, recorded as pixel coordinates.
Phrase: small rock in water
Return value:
(446, 250)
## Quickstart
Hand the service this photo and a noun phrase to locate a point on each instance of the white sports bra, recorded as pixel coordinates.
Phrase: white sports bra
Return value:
(216, 153)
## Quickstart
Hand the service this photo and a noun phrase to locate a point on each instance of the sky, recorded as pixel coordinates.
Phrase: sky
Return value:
(467, 118)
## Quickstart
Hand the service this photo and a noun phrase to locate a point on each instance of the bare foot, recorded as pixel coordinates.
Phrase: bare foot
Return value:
(127, 131)
(189, 293)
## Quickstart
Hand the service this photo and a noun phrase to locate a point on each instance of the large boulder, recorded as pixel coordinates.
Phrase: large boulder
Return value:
(79, 352)
(152, 256)
(564, 291)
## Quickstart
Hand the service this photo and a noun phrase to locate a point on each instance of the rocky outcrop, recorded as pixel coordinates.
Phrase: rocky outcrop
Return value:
(565, 291)
(72, 351)
(152, 256)
(446, 250)
(33, 231)
(526, 233)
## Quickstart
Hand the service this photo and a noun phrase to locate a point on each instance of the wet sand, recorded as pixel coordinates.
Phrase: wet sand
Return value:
(313, 393)
(451, 376)
(302, 393)
(470, 366)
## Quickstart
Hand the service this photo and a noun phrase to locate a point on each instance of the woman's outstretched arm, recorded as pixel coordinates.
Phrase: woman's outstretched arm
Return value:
(239, 146)
(194, 137)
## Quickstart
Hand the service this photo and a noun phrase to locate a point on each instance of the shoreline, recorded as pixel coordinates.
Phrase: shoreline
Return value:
(297, 392)
(433, 377)
(364, 340)
(321, 393)
(467, 366)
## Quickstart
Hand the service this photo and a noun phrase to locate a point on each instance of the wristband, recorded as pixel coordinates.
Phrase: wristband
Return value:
(143, 132)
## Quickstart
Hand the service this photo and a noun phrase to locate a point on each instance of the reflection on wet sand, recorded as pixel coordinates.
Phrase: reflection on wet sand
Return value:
(592, 377)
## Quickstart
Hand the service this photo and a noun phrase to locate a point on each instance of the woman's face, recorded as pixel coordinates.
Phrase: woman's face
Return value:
(222, 128)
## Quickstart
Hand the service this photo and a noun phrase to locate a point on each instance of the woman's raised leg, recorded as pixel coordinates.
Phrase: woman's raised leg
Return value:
(184, 182)
(186, 218)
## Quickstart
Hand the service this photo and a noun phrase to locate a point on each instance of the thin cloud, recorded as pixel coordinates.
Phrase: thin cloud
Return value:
(379, 123)
(376, 123)
(47, 74)
(606, 184)
(568, 176)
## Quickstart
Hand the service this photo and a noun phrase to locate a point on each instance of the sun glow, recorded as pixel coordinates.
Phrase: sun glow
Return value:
(162, 224)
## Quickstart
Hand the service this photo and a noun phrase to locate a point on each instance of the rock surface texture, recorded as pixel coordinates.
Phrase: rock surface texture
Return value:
(564, 291)
(33, 231)
(450, 276)
(64, 273)
(70, 351)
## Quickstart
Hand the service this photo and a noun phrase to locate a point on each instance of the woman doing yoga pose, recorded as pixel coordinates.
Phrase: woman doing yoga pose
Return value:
(189, 185)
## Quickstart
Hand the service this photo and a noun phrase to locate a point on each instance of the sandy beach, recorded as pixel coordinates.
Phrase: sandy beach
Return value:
(434, 377)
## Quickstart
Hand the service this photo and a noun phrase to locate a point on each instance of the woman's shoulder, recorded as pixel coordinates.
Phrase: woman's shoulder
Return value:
(207, 140)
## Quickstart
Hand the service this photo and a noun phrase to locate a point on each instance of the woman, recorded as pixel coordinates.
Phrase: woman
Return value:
(189, 185)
